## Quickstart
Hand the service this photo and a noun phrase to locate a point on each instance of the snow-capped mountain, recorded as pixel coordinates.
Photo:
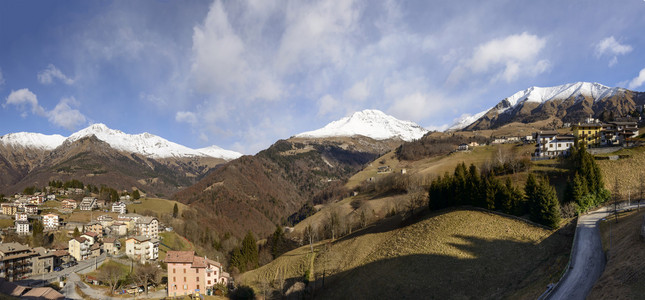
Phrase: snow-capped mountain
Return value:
(569, 102)
(32, 140)
(145, 144)
(594, 90)
(371, 123)
(465, 120)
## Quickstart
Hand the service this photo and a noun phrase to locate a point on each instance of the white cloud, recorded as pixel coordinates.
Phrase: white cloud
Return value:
(359, 91)
(24, 98)
(638, 81)
(65, 116)
(417, 106)
(186, 117)
(62, 115)
(506, 59)
(326, 105)
(610, 47)
(50, 73)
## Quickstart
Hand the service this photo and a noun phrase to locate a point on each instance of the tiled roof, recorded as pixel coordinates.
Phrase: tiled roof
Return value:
(180, 256)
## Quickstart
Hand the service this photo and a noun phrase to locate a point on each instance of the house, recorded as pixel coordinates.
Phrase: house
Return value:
(51, 197)
(552, 144)
(45, 293)
(189, 274)
(92, 236)
(69, 204)
(101, 204)
(31, 209)
(142, 248)
(148, 226)
(118, 229)
(473, 144)
(124, 198)
(499, 141)
(21, 216)
(383, 169)
(588, 132)
(462, 147)
(618, 133)
(15, 260)
(79, 248)
(43, 262)
(61, 257)
(51, 221)
(88, 203)
(94, 227)
(111, 246)
(22, 227)
(119, 207)
(8, 209)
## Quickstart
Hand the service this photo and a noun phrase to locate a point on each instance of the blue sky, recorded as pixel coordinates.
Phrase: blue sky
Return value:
(242, 74)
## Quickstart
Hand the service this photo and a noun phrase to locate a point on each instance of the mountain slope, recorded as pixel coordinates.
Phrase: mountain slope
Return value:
(458, 254)
(100, 155)
(569, 102)
(257, 192)
(370, 123)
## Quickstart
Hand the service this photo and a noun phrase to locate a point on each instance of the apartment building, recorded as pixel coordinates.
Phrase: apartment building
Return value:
(15, 261)
(142, 248)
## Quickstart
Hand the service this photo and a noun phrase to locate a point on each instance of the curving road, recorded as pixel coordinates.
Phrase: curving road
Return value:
(587, 258)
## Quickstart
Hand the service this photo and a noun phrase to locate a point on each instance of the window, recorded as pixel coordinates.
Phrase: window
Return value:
(209, 282)
(184, 279)
(184, 271)
(173, 271)
(198, 286)
(550, 145)
(174, 279)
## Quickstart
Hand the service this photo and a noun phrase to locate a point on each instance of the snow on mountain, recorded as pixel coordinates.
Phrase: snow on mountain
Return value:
(145, 143)
(218, 152)
(371, 123)
(32, 140)
(543, 94)
(465, 120)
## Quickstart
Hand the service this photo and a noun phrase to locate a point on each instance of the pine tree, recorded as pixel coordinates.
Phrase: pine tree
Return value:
(548, 207)
(249, 252)
(136, 195)
(530, 193)
(175, 211)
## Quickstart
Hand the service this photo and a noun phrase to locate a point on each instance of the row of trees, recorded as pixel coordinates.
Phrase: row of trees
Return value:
(467, 186)
(585, 188)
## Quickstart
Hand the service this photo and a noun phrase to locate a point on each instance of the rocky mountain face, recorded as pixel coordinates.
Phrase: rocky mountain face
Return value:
(569, 103)
(100, 155)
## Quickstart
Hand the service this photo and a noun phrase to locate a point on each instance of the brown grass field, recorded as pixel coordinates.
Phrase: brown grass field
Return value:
(624, 275)
(627, 171)
(174, 242)
(160, 206)
(448, 254)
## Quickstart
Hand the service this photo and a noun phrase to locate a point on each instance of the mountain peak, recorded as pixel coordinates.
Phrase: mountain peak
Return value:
(371, 123)
(543, 94)
(145, 143)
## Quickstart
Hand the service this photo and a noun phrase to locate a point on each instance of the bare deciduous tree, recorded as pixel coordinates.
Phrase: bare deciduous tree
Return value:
(110, 274)
(146, 274)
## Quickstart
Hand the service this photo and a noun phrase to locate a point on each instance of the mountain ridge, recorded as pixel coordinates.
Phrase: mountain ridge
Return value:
(146, 144)
(371, 123)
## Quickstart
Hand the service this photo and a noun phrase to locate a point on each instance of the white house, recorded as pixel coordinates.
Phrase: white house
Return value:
(551, 144)
(22, 227)
(88, 203)
(50, 221)
(118, 207)
(142, 248)
(148, 227)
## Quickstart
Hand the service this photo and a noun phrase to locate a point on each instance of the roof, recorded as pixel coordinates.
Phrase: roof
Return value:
(139, 238)
(55, 215)
(548, 132)
(588, 125)
(199, 262)
(95, 246)
(60, 253)
(109, 240)
(42, 293)
(10, 288)
(180, 256)
(90, 233)
(80, 239)
(12, 247)
(145, 220)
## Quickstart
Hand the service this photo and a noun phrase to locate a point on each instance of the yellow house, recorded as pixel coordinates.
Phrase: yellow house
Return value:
(587, 132)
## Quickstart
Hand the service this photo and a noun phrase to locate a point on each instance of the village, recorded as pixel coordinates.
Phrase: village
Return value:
(110, 233)
(595, 134)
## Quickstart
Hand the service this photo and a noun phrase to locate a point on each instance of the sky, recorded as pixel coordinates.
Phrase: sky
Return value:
(243, 74)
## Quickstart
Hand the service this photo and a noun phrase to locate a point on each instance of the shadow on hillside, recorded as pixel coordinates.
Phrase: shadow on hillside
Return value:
(475, 269)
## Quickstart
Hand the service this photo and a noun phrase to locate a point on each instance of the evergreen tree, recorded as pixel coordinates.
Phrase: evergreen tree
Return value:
(578, 191)
(76, 233)
(530, 194)
(548, 207)
(249, 251)
(175, 211)
(136, 195)
(37, 232)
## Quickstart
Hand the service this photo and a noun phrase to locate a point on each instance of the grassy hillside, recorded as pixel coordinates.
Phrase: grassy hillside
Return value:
(449, 254)
(173, 241)
(626, 170)
(624, 275)
(157, 205)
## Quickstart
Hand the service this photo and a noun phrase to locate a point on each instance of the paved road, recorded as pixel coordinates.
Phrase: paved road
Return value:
(588, 259)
